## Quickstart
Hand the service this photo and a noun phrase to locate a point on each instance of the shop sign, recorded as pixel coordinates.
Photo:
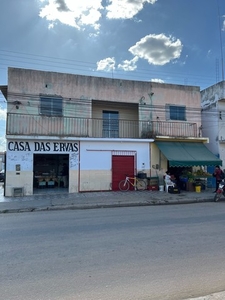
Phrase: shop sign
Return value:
(43, 146)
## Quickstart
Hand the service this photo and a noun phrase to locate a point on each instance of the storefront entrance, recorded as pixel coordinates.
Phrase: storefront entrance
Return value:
(51, 173)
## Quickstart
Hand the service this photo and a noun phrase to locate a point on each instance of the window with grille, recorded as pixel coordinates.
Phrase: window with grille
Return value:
(110, 124)
(175, 112)
(51, 106)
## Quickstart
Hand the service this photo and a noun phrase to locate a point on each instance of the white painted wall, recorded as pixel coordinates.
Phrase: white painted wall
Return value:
(97, 155)
(90, 167)
(210, 128)
(96, 161)
(213, 118)
(20, 153)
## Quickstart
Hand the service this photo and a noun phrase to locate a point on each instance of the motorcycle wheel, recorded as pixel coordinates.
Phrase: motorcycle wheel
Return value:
(217, 197)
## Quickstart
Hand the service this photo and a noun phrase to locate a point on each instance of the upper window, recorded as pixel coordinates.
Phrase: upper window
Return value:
(175, 112)
(110, 124)
(51, 106)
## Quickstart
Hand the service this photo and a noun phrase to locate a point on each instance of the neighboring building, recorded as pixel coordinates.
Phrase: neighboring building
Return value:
(101, 128)
(213, 118)
(2, 161)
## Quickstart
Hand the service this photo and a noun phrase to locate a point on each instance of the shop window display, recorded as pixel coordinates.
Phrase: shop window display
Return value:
(51, 171)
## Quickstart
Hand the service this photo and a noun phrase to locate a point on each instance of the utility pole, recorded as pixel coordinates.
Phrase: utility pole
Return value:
(221, 43)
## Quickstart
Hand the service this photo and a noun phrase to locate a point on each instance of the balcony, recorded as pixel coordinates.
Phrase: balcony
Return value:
(33, 125)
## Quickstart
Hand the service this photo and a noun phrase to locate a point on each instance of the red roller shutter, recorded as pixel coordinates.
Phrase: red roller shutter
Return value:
(121, 165)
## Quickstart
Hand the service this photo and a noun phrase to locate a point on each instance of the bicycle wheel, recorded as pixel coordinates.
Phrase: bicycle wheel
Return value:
(141, 185)
(217, 197)
(124, 185)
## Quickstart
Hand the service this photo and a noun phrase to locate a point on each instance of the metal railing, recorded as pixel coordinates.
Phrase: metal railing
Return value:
(24, 124)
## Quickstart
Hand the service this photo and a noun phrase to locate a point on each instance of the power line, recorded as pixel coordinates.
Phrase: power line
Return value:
(33, 100)
(76, 65)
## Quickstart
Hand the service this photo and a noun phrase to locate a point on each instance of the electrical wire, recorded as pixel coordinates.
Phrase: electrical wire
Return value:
(89, 67)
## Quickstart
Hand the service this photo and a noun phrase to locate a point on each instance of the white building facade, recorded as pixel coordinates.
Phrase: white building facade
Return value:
(93, 164)
(213, 118)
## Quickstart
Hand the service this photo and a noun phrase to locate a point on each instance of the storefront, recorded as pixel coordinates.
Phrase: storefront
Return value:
(88, 164)
(191, 163)
(33, 165)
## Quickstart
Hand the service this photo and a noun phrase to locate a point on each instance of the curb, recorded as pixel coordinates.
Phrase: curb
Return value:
(214, 296)
(98, 206)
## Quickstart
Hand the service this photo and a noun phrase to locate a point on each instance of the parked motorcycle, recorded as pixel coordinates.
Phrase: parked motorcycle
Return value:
(220, 191)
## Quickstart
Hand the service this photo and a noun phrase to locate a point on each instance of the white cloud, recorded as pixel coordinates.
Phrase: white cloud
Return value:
(223, 26)
(107, 64)
(72, 12)
(2, 107)
(157, 49)
(2, 114)
(125, 9)
(2, 128)
(157, 80)
(129, 65)
(80, 13)
(2, 144)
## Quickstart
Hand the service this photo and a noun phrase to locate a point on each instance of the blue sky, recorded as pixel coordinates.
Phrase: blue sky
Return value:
(170, 41)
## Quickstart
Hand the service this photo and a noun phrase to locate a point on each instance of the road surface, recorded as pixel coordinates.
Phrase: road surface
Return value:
(163, 252)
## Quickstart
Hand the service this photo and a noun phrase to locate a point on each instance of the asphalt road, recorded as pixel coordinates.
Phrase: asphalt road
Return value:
(161, 252)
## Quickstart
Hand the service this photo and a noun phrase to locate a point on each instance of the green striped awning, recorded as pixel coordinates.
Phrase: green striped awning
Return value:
(186, 154)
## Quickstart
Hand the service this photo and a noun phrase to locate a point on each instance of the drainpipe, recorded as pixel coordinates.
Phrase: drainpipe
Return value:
(200, 131)
(150, 113)
(79, 168)
(150, 97)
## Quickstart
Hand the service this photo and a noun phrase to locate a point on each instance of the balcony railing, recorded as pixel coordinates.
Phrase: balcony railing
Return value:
(22, 124)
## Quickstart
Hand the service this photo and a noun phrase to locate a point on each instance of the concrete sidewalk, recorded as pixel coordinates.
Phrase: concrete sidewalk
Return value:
(56, 201)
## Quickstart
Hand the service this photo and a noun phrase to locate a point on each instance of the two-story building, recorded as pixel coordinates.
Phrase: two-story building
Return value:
(100, 128)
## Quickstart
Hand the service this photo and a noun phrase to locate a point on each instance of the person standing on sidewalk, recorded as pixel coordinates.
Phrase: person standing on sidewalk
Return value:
(217, 174)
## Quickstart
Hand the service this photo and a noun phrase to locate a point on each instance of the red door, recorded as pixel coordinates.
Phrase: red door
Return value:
(121, 166)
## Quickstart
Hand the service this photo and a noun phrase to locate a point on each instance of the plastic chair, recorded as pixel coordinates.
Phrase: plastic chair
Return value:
(167, 184)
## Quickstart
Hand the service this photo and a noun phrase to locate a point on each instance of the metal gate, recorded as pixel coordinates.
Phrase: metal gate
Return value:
(123, 163)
